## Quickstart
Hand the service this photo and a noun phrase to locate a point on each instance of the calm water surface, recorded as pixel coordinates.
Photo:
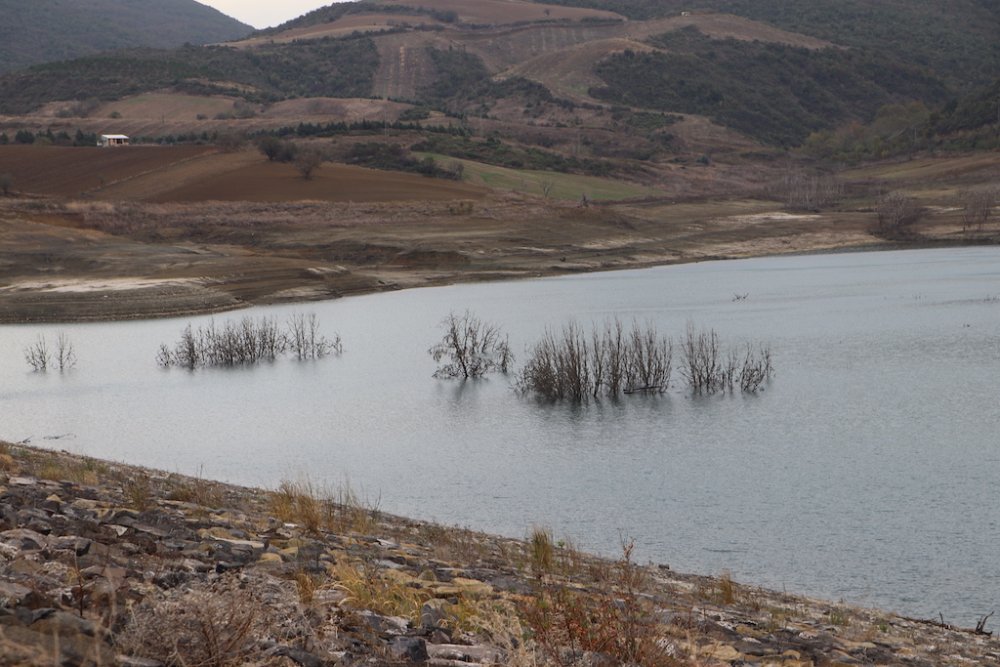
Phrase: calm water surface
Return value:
(869, 470)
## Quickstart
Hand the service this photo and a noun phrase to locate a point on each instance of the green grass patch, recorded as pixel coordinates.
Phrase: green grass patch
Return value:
(565, 187)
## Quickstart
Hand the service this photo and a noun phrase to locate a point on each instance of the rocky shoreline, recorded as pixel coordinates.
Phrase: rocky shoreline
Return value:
(109, 564)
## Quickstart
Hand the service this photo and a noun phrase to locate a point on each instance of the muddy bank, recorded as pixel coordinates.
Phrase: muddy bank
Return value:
(85, 261)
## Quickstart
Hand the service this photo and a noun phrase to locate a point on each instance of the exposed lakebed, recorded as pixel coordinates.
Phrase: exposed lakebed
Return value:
(867, 470)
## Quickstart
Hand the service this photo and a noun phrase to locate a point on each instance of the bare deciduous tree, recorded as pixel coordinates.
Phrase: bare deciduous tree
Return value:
(471, 348)
(231, 140)
(896, 213)
(978, 208)
(801, 191)
(308, 161)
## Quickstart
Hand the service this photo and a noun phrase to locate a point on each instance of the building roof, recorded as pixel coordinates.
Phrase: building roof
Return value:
(114, 136)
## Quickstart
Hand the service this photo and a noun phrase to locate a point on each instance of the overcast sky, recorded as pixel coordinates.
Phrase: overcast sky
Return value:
(265, 13)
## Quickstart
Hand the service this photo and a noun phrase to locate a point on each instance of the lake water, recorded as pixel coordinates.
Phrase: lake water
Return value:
(869, 470)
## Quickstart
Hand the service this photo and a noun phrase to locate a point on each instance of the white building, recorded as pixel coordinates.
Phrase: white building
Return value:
(112, 140)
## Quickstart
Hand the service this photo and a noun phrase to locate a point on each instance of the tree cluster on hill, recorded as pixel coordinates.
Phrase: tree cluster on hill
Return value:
(47, 30)
(392, 157)
(463, 84)
(497, 152)
(970, 122)
(338, 10)
(775, 93)
(334, 68)
(957, 39)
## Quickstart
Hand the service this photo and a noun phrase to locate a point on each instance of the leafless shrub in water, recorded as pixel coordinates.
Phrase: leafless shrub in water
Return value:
(247, 342)
(708, 369)
(38, 356)
(305, 340)
(65, 355)
(471, 348)
(609, 362)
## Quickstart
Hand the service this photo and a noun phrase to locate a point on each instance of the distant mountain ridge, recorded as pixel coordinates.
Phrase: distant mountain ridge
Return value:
(38, 31)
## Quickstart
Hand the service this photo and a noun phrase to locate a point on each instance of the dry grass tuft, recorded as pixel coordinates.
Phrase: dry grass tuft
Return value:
(203, 628)
(138, 490)
(542, 551)
(369, 588)
(197, 491)
(306, 585)
(341, 511)
(618, 621)
(300, 503)
(7, 463)
(85, 471)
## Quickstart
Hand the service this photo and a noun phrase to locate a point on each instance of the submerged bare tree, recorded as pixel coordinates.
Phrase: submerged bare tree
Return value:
(708, 369)
(471, 348)
(65, 354)
(40, 355)
(305, 340)
(37, 355)
(247, 342)
(609, 362)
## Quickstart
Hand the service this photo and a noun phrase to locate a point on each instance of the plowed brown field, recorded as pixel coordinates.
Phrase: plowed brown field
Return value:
(270, 182)
(71, 172)
(199, 173)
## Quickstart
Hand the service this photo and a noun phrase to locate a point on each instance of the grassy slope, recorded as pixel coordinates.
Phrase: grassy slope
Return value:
(45, 30)
(567, 187)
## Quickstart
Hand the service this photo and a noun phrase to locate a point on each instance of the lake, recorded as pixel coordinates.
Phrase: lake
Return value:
(868, 470)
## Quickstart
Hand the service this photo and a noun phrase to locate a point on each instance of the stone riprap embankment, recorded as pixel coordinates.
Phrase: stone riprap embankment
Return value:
(106, 564)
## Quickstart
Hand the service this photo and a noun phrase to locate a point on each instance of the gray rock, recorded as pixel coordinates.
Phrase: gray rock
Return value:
(78, 545)
(411, 649)
(480, 654)
(129, 661)
(24, 539)
(12, 594)
(298, 656)
(63, 623)
(384, 625)
(431, 614)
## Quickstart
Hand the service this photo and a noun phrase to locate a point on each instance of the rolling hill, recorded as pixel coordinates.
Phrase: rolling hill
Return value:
(632, 88)
(48, 30)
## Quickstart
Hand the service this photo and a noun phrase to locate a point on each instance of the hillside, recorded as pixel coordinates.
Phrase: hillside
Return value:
(49, 30)
(631, 90)
(955, 38)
